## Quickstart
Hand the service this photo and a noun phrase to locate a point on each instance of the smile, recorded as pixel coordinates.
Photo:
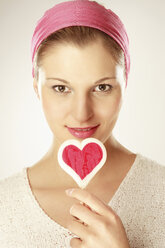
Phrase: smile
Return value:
(82, 132)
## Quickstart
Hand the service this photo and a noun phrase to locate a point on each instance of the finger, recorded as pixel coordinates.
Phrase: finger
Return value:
(75, 243)
(84, 214)
(91, 200)
(77, 228)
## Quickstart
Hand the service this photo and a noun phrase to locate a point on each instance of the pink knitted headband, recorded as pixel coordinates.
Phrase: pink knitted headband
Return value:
(81, 13)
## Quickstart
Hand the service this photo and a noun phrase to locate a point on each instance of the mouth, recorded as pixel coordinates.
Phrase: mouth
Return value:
(82, 132)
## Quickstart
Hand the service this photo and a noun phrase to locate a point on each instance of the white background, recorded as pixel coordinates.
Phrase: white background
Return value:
(24, 133)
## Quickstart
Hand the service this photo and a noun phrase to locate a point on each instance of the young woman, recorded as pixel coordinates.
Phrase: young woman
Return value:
(80, 67)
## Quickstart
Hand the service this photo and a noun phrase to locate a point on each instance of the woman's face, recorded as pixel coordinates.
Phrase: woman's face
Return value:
(80, 98)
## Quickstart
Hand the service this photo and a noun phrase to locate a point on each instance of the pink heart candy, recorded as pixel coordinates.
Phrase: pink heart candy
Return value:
(82, 160)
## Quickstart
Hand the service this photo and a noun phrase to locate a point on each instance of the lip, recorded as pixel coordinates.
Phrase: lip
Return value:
(82, 134)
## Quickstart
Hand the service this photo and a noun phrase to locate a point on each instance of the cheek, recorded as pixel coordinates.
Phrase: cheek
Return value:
(110, 109)
(54, 108)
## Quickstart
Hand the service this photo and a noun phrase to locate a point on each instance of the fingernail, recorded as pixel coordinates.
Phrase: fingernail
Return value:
(69, 191)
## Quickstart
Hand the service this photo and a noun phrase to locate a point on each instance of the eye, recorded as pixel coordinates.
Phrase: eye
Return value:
(60, 88)
(104, 88)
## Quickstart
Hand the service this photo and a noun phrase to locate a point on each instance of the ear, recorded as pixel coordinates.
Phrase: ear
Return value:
(35, 86)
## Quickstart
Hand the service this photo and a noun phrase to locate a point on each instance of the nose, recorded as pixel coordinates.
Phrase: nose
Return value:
(82, 108)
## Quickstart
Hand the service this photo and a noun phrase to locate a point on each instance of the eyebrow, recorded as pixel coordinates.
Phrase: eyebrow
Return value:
(66, 82)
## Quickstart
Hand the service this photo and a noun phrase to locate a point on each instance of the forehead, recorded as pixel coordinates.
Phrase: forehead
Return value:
(68, 57)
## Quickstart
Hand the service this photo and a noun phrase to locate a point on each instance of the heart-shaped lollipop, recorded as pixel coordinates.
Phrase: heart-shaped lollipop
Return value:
(82, 160)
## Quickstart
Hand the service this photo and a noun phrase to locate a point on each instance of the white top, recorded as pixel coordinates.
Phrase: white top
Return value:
(139, 202)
